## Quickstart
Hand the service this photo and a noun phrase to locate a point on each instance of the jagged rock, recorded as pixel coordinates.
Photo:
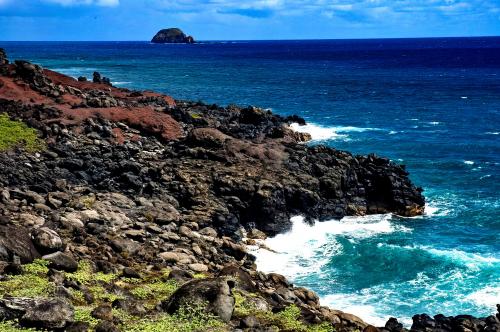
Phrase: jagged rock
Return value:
(102, 80)
(3, 57)
(37, 313)
(47, 240)
(172, 35)
(215, 293)
(16, 244)
(393, 325)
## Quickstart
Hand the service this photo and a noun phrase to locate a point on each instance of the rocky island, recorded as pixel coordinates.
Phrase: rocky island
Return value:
(131, 211)
(172, 36)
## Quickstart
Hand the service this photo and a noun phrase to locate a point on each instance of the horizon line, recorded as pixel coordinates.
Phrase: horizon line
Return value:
(250, 40)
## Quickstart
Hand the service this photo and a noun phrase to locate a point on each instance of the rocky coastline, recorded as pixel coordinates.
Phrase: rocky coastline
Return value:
(131, 211)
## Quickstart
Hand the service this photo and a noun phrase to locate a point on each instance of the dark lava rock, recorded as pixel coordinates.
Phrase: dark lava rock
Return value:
(215, 293)
(102, 80)
(16, 244)
(61, 261)
(130, 273)
(393, 325)
(37, 313)
(180, 275)
(172, 35)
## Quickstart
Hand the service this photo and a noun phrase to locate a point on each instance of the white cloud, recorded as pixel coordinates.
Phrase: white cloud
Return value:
(103, 3)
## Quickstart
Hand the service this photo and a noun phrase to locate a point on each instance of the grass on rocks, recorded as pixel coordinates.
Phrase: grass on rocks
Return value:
(286, 320)
(33, 282)
(187, 319)
(149, 291)
(17, 133)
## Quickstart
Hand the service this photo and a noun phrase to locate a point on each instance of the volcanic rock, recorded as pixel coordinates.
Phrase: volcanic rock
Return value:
(214, 293)
(49, 314)
(172, 35)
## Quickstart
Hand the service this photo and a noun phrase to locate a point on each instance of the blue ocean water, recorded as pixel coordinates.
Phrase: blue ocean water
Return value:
(432, 104)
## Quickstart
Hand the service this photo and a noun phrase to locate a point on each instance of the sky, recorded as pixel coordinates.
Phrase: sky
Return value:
(86, 20)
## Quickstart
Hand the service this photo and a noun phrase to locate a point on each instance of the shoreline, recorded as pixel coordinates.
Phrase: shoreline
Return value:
(180, 176)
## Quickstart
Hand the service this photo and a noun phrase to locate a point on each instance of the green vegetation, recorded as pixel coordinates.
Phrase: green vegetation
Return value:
(149, 291)
(32, 282)
(17, 133)
(158, 290)
(85, 275)
(195, 115)
(11, 327)
(286, 320)
(83, 314)
(242, 307)
(187, 319)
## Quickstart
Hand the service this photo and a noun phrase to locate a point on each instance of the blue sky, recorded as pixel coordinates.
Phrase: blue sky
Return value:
(254, 19)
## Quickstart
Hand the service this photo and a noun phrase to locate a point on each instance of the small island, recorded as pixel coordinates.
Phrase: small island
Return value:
(172, 36)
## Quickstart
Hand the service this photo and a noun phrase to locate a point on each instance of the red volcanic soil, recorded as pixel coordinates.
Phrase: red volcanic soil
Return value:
(145, 118)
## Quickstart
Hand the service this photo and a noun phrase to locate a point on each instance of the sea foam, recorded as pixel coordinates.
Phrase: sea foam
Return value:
(307, 248)
(487, 297)
(321, 133)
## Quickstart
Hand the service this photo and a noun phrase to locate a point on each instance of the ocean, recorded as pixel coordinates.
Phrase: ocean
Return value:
(432, 104)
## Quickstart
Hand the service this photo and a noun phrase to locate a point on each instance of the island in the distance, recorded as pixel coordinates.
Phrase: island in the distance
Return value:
(172, 36)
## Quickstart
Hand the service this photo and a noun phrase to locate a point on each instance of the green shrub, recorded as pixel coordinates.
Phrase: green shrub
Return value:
(17, 133)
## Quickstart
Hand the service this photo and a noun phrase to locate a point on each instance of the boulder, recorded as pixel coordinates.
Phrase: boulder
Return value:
(172, 35)
(213, 293)
(47, 314)
(16, 244)
(97, 78)
(61, 261)
(47, 240)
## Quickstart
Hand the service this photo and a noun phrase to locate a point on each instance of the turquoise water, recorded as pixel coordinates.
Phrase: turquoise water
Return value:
(432, 104)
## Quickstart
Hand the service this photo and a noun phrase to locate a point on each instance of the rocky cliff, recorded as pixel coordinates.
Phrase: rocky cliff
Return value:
(172, 35)
(130, 210)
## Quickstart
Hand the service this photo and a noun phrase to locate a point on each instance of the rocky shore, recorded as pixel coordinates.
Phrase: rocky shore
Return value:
(131, 211)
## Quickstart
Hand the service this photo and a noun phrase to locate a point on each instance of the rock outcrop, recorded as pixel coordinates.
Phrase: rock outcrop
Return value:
(172, 36)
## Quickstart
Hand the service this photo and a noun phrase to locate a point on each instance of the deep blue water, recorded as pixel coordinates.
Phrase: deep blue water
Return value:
(432, 104)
